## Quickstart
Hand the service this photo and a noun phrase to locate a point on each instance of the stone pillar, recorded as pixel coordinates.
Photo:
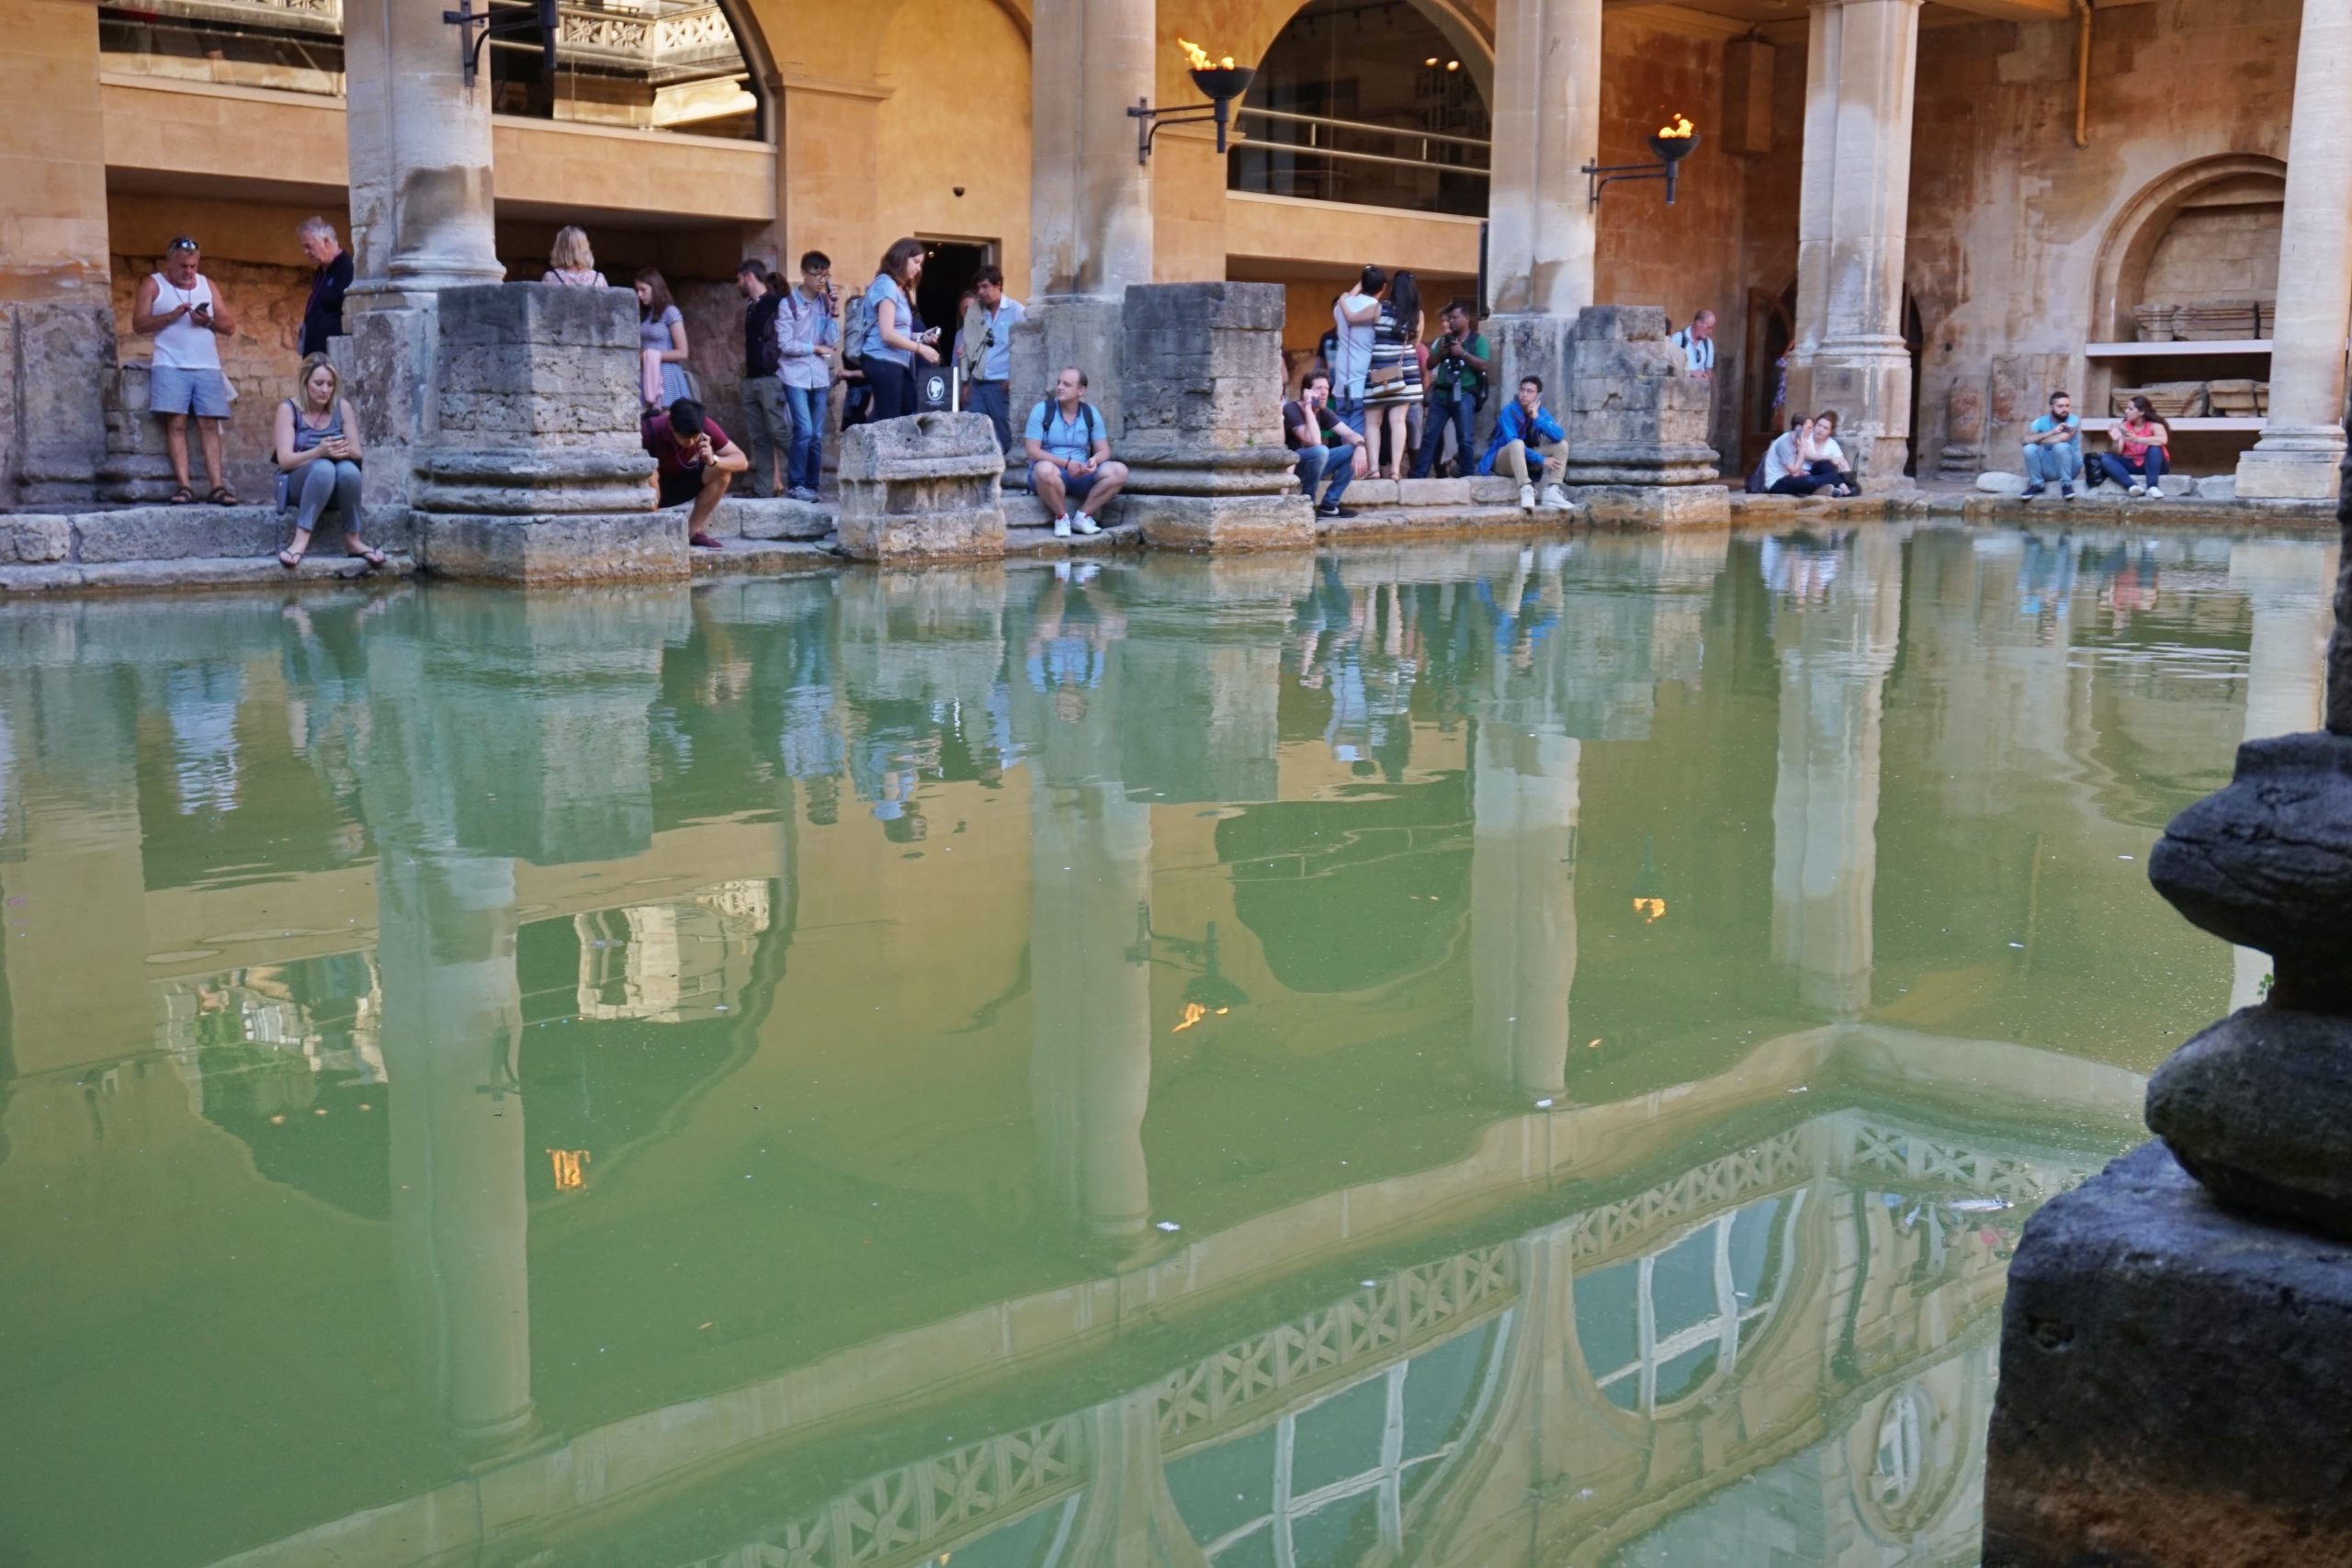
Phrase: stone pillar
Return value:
(1636, 421)
(533, 471)
(923, 488)
(2304, 440)
(1090, 202)
(1523, 903)
(1862, 61)
(57, 344)
(1540, 220)
(422, 216)
(2286, 585)
(1203, 369)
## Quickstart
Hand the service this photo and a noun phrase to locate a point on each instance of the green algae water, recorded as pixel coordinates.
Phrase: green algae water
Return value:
(1472, 1055)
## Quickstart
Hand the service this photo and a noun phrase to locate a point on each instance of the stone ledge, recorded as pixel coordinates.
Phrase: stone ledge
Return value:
(2174, 1384)
(771, 517)
(764, 558)
(216, 571)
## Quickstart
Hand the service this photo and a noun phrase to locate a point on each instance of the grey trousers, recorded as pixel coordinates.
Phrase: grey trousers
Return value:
(767, 432)
(328, 482)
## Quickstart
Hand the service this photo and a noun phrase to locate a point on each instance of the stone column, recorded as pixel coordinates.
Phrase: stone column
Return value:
(1636, 423)
(1540, 225)
(1523, 903)
(2304, 441)
(1089, 202)
(1860, 65)
(422, 216)
(57, 344)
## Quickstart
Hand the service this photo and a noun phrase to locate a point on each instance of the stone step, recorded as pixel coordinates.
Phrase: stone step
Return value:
(1392, 522)
(196, 532)
(765, 557)
(194, 572)
(771, 517)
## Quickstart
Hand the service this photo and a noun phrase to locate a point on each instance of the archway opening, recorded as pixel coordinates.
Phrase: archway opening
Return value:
(1372, 103)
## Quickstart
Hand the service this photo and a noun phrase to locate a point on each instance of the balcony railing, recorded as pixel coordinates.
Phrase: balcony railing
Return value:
(1326, 159)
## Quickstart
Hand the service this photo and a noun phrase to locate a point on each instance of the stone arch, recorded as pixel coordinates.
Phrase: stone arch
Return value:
(2133, 236)
(1471, 37)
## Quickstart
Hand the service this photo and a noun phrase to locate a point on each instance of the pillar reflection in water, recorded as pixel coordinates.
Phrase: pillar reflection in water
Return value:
(1836, 615)
(1090, 874)
(1523, 903)
(2287, 586)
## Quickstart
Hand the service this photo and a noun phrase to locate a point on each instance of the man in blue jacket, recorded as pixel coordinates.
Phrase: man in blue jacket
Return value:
(1526, 421)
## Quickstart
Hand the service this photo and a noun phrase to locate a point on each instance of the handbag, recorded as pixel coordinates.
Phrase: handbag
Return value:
(1386, 376)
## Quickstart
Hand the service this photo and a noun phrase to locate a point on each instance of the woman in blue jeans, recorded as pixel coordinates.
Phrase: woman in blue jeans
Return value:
(318, 462)
(2143, 448)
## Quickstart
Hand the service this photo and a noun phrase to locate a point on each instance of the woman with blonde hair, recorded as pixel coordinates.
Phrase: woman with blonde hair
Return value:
(662, 338)
(571, 264)
(318, 461)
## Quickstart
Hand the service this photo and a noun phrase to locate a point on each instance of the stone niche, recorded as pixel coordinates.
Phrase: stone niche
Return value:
(1636, 420)
(533, 470)
(1201, 369)
(928, 487)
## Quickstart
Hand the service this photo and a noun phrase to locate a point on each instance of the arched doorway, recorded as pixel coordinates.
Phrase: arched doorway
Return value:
(1373, 103)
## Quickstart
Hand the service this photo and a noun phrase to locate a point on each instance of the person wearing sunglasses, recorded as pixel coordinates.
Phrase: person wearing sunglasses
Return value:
(182, 310)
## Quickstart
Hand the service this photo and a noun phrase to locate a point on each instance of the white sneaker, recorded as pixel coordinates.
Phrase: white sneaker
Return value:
(1555, 497)
(2138, 489)
(2155, 492)
(1527, 498)
(1084, 524)
(1061, 526)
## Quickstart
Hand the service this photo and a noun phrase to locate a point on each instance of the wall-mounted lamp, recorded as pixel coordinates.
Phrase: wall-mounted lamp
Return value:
(1673, 142)
(476, 29)
(1221, 82)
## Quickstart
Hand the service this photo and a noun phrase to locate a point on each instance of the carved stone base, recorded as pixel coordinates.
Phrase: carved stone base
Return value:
(640, 547)
(923, 488)
(2173, 1384)
(1227, 523)
(1654, 506)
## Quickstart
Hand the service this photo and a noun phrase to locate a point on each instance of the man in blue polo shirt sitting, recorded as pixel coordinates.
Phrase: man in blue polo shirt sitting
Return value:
(1070, 456)
(2053, 449)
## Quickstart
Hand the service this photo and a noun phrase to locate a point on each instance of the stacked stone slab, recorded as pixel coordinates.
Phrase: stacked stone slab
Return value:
(58, 401)
(136, 468)
(1636, 421)
(534, 472)
(2176, 1348)
(925, 488)
(1201, 372)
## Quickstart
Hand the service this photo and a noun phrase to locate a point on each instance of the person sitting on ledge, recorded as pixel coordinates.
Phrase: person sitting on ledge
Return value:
(1326, 449)
(1525, 421)
(697, 463)
(318, 461)
(2053, 449)
(1808, 460)
(2143, 451)
(1069, 452)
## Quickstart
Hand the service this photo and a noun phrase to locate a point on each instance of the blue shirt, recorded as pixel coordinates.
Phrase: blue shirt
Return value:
(1070, 440)
(802, 324)
(2045, 424)
(1511, 426)
(885, 286)
(996, 364)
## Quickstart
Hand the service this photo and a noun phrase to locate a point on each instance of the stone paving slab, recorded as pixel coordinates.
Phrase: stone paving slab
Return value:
(196, 571)
(765, 557)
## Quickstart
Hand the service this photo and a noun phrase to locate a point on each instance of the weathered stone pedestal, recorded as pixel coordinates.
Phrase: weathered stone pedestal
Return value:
(136, 468)
(2176, 1351)
(925, 488)
(63, 355)
(534, 472)
(1201, 373)
(1638, 425)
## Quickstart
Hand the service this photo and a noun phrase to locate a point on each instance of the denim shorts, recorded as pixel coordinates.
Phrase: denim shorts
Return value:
(204, 393)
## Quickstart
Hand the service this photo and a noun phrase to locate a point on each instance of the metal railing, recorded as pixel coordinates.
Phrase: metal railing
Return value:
(1317, 125)
(1294, 154)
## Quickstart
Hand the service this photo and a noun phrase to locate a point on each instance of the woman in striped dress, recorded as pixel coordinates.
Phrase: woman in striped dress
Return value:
(1394, 386)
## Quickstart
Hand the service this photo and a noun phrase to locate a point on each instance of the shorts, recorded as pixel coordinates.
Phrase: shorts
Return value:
(679, 488)
(204, 393)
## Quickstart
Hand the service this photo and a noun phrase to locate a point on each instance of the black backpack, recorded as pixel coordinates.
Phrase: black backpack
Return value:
(1093, 419)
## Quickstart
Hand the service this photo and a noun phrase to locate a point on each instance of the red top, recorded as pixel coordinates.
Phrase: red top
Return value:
(670, 452)
(2134, 450)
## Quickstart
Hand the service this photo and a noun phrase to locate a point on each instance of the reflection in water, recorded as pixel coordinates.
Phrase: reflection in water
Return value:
(1475, 1055)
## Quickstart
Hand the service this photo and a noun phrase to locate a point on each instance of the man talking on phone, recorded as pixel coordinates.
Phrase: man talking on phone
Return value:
(696, 465)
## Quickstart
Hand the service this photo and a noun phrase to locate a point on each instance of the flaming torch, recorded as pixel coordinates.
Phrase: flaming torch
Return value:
(1673, 141)
(1220, 81)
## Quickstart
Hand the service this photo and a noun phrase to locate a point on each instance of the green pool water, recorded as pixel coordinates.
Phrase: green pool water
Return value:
(1466, 1054)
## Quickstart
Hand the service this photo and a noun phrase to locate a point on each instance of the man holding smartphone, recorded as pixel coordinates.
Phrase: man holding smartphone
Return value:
(182, 310)
(808, 338)
(695, 463)
(985, 344)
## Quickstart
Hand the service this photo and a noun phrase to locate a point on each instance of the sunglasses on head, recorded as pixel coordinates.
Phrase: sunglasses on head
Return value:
(182, 244)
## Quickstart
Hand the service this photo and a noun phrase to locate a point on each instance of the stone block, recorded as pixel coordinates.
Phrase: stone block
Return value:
(556, 548)
(177, 533)
(2172, 1386)
(1225, 523)
(1621, 324)
(1489, 489)
(1372, 493)
(2218, 487)
(1996, 481)
(771, 517)
(33, 539)
(1431, 492)
(2184, 485)
(64, 356)
(922, 488)
(1654, 507)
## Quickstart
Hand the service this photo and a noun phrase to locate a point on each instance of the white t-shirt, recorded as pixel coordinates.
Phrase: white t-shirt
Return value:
(1352, 360)
(1698, 353)
(1780, 459)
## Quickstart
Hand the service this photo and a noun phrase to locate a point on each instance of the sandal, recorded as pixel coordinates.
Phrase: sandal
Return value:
(222, 496)
(182, 496)
(290, 559)
(368, 553)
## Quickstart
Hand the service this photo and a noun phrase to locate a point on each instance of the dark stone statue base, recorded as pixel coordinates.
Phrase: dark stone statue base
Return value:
(2176, 1385)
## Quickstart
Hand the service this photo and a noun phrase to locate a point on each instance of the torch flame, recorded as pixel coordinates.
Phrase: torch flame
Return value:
(1652, 910)
(1199, 57)
(1676, 128)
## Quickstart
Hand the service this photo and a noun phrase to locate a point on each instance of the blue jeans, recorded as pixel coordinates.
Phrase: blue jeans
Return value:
(1448, 408)
(2062, 464)
(993, 399)
(1316, 464)
(2151, 463)
(1349, 412)
(807, 457)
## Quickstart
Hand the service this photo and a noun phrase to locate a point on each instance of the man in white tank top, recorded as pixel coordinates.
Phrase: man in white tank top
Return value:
(182, 310)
